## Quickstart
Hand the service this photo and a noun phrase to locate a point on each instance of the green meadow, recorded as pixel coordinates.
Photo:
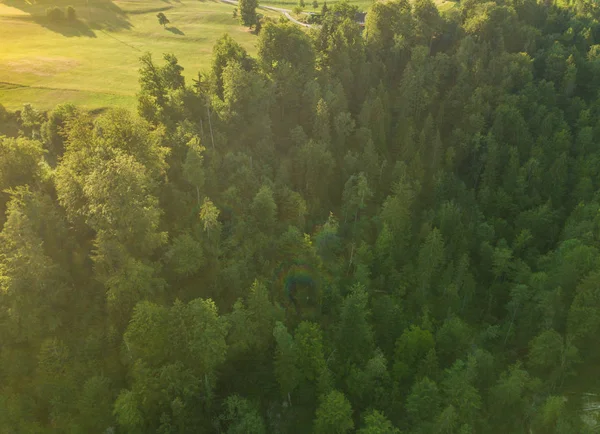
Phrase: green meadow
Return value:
(94, 61)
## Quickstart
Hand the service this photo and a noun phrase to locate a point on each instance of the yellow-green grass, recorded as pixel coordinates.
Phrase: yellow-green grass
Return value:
(95, 62)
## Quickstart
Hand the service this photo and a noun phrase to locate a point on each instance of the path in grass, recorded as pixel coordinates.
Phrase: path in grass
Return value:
(284, 12)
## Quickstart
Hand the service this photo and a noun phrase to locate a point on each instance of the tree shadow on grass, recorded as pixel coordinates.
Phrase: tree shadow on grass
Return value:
(66, 28)
(175, 30)
(92, 15)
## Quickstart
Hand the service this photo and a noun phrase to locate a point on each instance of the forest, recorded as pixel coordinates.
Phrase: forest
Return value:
(393, 229)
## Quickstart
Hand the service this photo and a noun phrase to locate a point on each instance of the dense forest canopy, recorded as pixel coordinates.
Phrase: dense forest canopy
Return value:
(379, 230)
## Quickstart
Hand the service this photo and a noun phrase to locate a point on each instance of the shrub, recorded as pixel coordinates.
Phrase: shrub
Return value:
(314, 19)
(71, 15)
(297, 10)
(55, 14)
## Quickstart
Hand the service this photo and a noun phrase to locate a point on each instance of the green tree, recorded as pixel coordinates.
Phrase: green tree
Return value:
(20, 162)
(354, 338)
(552, 358)
(375, 422)
(31, 119)
(185, 255)
(209, 216)
(423, 403)
(334, 414)
(264, 209)
(226, 51)
(248, 16)
(162, 19)
(411, 348)
(193, 167)
(308, 339)
(513, 393)
(94, 405)
(53, 130)
(242, 417)
(286, 356)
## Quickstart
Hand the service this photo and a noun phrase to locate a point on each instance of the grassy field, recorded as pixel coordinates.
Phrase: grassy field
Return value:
(94, 63)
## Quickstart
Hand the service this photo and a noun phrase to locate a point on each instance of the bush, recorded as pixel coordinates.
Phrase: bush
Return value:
(71, 15)
(55, 14)
(314, 19)
(297, 10)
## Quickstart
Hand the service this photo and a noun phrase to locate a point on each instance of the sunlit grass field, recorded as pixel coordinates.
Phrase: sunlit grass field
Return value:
(94, 63)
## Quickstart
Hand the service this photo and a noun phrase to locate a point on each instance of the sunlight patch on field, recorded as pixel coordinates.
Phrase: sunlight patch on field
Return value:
(41, 65)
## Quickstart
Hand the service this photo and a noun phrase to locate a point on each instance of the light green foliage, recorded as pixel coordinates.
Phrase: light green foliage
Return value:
(209, 216)
(248, 16)
(334, 414)
(354, 333)
(53, 130)
(308, 339)
(461, 394)
(376, 423)
(224, 52)
(118, 199)
(252, 323)
(193, 167)
(30, 281)
(157, 84)
(423, 402)
(245, 105)
(188, 344)
(90, 151)
(19, 162)
(286, 356)
(280, 43)
(185, 255)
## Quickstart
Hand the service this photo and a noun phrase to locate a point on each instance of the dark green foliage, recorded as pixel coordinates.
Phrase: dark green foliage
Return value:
(379, 229)
(162, 19)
